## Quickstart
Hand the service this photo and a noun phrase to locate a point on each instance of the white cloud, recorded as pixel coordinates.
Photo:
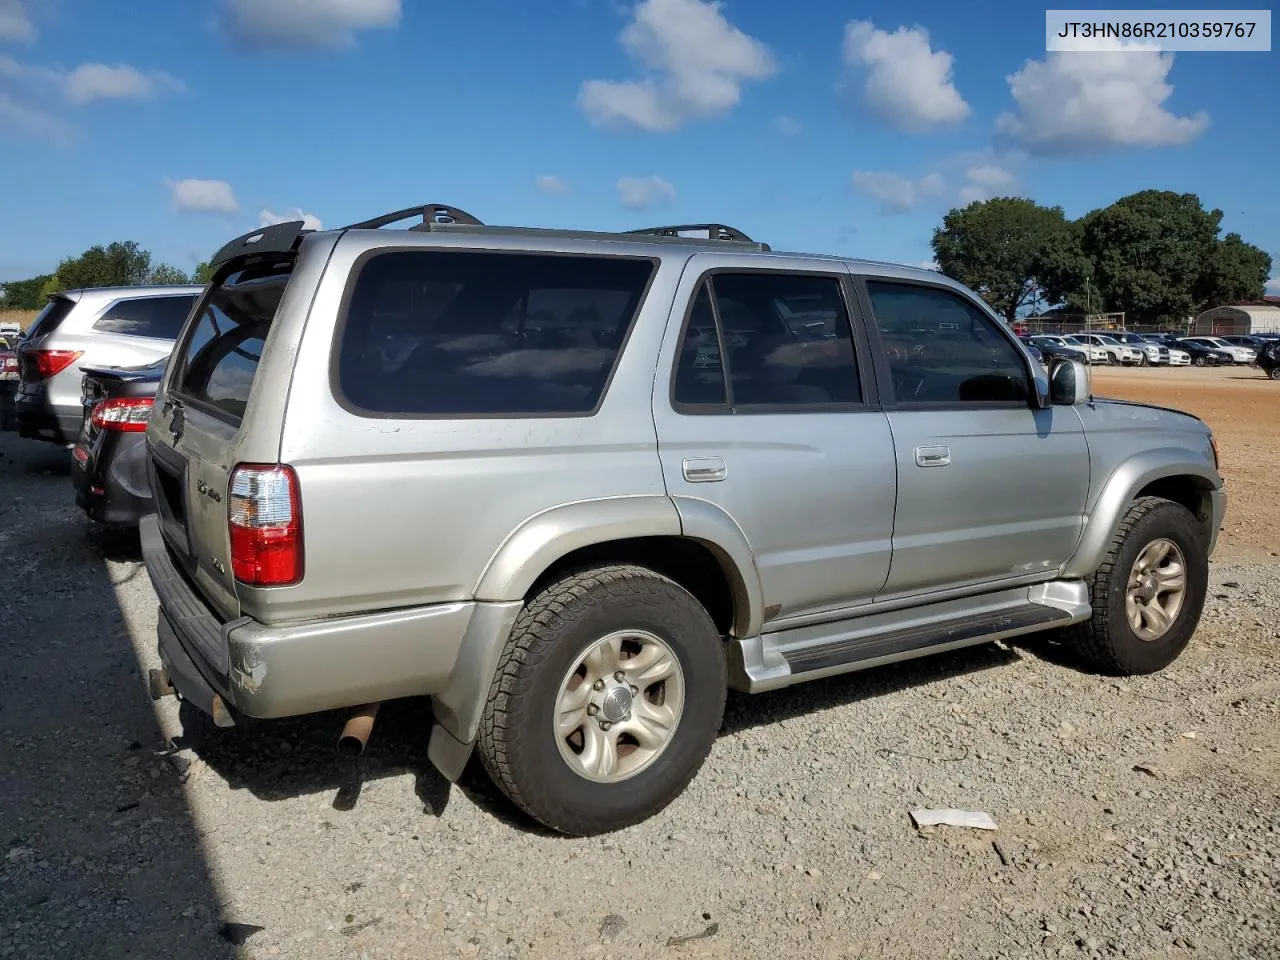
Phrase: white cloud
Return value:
(788, 126)
(928, 265)
(896, 193)
(98, 81)
(306, 24)
(1084, 102)
(15, 23)
(908, 83)
(641, 193)
(1273, 286)
(551, 184)
(203, 196)
(987, 181)
(695, 61)
(309, 220)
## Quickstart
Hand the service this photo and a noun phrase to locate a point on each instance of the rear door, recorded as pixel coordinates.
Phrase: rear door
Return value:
(766, 408)
(195, 432)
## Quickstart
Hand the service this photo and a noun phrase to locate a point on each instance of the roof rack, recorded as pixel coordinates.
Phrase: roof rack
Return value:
(429, 212)
(714, 231)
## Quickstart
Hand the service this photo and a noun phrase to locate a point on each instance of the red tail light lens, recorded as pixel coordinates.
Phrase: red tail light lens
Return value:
(264, 511)
(50, 363)
(124, 414)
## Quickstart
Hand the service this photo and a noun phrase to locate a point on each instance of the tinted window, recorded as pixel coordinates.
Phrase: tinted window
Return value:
(787, 339)
(699, 370)
(50, 318)
(221, 354)
(444, 333)
(942, 349)
(159, 317)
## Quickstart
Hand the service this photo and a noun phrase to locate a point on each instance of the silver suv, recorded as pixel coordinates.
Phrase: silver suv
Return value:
(574, 486)
(100, 327)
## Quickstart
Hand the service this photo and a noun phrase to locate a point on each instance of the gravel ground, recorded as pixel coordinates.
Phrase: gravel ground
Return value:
(1137, 818)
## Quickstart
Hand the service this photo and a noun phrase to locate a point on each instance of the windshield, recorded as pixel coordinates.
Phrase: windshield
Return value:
(1075, 340)
(1108, 340)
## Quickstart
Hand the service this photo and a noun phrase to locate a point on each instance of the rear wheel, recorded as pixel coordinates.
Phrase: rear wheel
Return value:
(607, 700)
(1149, 591)
(1274, 373)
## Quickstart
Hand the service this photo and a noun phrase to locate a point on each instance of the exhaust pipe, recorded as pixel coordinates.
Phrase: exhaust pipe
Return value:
(355, 733)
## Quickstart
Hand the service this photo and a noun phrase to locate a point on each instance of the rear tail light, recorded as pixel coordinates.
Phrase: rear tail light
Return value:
(9, 362)
(124, 414)
(265, 517)
(50, 363)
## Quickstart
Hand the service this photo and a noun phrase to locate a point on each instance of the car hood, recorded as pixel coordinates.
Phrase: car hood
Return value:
(1118, 411)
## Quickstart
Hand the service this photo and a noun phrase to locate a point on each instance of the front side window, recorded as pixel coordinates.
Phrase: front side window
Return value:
(942, 349)
(157, 317)
(441, 333)
(786, 339)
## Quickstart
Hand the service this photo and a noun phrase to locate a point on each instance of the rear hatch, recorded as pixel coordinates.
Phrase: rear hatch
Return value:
(35, 365)
(194, 439)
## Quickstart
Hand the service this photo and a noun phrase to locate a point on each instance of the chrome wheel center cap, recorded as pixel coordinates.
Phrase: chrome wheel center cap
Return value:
(615, 705)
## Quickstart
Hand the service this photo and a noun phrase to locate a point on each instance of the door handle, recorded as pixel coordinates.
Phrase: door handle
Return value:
(933, 456)
(705, 469)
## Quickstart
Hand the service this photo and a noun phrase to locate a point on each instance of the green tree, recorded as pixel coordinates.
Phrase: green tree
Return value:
(117, 264)
(997, 248)
(1148, 250)
(203, 273)
(1234, 271)
(24, 294)
(167, 274)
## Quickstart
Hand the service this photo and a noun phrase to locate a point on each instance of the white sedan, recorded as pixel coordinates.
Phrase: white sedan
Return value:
(1179, 358)
(1238, 353)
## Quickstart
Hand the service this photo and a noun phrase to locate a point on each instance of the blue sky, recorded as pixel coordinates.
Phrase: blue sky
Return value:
(843, 128)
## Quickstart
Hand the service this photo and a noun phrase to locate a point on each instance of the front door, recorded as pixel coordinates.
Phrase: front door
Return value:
(765, 409)
(990, 488)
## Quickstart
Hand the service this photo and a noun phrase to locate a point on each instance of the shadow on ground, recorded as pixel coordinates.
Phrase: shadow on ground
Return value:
(99, 856)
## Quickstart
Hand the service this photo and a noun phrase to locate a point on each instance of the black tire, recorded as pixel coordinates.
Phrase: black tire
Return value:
(1200, 361)
(1107, 641)
(517, 744)
(1274, 373)
(1144, 361)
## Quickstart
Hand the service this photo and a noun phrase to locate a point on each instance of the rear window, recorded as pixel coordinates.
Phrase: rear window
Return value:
(219, 359)
(157, 317)
(466, 333)
(51, 317)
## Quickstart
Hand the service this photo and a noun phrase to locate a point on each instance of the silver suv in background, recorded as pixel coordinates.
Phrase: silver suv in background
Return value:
(575, 485)
(98, 327)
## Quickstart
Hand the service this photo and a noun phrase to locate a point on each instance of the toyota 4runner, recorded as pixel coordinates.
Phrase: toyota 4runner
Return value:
(574, 486)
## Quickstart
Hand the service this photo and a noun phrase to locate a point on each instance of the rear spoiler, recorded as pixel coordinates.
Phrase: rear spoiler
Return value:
(276, 239)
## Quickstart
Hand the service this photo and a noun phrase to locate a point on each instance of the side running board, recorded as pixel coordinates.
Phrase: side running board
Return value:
(808, 652)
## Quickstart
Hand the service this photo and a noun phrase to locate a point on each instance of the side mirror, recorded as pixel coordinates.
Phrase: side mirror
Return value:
(1069, 383)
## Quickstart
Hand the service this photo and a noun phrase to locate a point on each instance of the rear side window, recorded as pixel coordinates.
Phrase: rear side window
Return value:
(220, 357)
(787, 341)
(51, 317)
(465, 333)
(158, 317)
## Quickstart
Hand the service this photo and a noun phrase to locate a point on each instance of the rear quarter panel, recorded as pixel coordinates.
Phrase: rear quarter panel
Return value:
(402, 512)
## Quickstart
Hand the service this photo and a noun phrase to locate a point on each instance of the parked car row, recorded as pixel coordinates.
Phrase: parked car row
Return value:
(1150, 349)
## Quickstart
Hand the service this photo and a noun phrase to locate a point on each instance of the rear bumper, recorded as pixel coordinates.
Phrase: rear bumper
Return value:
(111, 483)
(37, 419)
(286, 670)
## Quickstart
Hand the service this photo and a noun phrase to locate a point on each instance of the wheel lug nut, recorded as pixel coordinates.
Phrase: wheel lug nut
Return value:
(592, 709)
(605, 724)
(634, 691)
(619, 676)
(598, 685)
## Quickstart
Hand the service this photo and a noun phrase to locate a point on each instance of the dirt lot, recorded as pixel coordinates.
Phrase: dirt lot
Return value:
(1138, 818)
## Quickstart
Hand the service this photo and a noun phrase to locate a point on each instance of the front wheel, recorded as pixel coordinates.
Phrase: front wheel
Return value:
(1149, 591)
(1200, 361)
(606, 701)
(1274, 373)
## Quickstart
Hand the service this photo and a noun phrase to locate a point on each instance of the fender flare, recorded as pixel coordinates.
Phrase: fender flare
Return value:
(1120, 489)
(709, 525)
